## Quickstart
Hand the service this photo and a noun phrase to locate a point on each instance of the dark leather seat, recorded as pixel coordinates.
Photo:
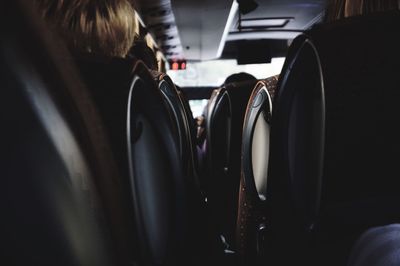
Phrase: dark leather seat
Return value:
(218, 127)
(54, 159)
(159, 184)
(239, 94)
(91, 177)
(149, 140)
(254, 170)
(226, 135)
(183, 120)
(192, 127)
(203, 236)
(334, 138)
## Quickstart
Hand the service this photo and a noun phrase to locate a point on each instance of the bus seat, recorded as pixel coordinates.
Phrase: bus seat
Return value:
(142, 117)
(254, 170)
(192, 127)
(156, 173)
(53, 169)
(217, 151)
(226, 208)
(239, 93)
(334, 139)
(187, 147)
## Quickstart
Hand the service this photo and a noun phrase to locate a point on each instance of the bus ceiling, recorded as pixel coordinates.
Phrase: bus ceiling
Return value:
(211, 29)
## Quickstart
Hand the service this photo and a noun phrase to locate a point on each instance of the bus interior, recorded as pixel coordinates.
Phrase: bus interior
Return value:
(262, 134)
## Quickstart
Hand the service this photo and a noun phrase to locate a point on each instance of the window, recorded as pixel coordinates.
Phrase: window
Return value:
(214, 72)
(197, 106)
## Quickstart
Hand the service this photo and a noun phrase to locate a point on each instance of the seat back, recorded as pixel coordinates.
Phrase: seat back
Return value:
(156, 173)
(176, 106)
(143, 129)
(255, 147)
(53, 205)
(254, 170)
(297, 139)
(333, 160)
(218, 126)
(239, 93)
(192, 128)
(218, 132)
(361, 149)
(354, 137)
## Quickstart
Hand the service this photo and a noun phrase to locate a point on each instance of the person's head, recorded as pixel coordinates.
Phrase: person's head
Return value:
(239, 77)
(101, 27)
(338, 9)
(141, 51)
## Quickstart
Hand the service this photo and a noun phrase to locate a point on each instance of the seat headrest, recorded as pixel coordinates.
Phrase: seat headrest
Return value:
(218, 121)
(334, 137)
(297, 136)
(360, 59)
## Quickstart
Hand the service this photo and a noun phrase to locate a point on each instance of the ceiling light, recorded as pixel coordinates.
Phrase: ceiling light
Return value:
(264, 22)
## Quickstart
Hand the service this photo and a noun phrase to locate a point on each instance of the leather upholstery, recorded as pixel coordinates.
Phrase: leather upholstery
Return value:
(223, 175)
(255, 152)
(148, 132)
(334, 144)
(53, 174)
(362, 146)
(143, 129)
(192, 128)
(218, 126)
(132, 117)
(183, 125)
(239, 93)
(156, 173)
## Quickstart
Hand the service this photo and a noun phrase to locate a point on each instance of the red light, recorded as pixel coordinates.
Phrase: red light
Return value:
(175, 66)
(183, 65)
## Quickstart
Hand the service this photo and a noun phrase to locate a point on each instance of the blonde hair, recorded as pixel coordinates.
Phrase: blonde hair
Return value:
(338, 9)
(100, 27)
